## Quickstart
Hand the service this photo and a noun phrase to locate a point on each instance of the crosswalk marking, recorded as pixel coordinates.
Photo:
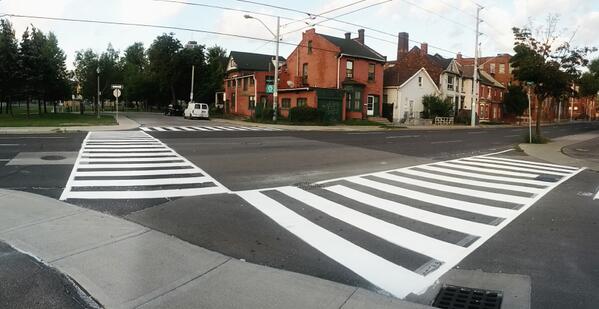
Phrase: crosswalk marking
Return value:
(106, 158)
(374, 190)
(210, 128)
(530, 163)
(512, 168)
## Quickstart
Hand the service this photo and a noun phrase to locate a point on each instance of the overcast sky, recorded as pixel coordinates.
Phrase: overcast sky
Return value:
(447, 24)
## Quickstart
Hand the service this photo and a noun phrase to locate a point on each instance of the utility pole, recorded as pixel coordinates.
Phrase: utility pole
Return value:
(275, 93)
(98, 104)
(474, 105)
(193, 68)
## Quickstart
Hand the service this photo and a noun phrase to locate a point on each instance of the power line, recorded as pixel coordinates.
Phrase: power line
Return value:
(437, 14)
(457, 8)
(225, 8)
(326, 12)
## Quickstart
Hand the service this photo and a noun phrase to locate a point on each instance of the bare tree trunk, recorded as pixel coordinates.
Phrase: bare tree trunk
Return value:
(45, 109)
(54, 107)
(28, 103)
(539, 115)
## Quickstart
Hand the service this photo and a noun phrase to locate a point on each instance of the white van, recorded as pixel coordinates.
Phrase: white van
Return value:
(196, 110)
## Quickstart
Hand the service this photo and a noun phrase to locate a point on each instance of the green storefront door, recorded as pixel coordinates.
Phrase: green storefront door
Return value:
(330, 101)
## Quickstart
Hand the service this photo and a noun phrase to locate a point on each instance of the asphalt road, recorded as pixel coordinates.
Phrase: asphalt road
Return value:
(550, 242)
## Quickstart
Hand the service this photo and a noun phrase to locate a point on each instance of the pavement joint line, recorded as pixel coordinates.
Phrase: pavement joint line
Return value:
(350, 296)
(186, 282)
(104, 244)
(46, 220)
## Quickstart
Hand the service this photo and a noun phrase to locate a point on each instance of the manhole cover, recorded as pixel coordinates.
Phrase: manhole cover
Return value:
(454, 297)
(53, 158)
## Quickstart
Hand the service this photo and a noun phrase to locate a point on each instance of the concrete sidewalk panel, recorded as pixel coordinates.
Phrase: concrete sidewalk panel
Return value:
(367, 299)
(55, 239)
(20, 209)
(237, 284)
(132, 271)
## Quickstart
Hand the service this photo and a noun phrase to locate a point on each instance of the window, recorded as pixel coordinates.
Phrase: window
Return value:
(245, 83)
(492, 68)
(450, 82)
(237, 84)
(419, 81)
(252, 102)
(285, 103)
(501, 68)
(302, 102)
(305, 74)
(229, 83)
(251, 81)
(349, 69)
(353, 99)
(309, 47)
(371, 72)
(233, 101)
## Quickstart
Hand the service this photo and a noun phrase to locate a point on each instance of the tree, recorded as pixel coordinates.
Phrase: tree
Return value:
(9, 56)
(86, 63)
(162, 56)
(56, 78)
(589, 84)
(216, 66)
(184, 60)
(515, 101)
(550, 68)
(435, 106)
(135, 66)
(30, 64)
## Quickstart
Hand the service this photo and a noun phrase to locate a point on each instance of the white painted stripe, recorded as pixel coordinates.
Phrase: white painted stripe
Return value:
(596, 196)
(118, 195)
(223, 128)
(126, 166)
(380, 272)
(532, 163)
(511, 168)
(124, 146)
(68, 186)
(139, 173)
(446, 222)
(139, 182)
(432, 247)
(122, 143)
(173, 128)
(456, 190)
(471, 182)
(145, 129)
(438, 200)
(237, 128)
(452, 164)
(158, 129)
(447, 170)
(131, 154)
(127, 150)
(541, 168)
(128, 159)
(187, 128)
(200, 128)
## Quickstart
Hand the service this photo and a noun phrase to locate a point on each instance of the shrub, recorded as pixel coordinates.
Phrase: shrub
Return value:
(515, 101)
(464, 117)
(434, 106)
(305, 114)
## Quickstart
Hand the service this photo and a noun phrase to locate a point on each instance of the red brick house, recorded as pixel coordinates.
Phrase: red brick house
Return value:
(498, 67)
(341, 76)
(490, 94)
(248, 81)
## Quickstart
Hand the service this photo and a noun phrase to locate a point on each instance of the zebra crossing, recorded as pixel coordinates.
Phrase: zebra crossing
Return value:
(206, 129)
(134, 165)
(432, 215)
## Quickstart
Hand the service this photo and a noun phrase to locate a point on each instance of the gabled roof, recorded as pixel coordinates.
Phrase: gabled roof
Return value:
(243, 61)
(354, 48)
(426, 75)
(404, 68)
(483, 77)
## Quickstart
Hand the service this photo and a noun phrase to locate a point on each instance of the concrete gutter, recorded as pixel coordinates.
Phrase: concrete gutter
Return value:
(125, 265)
(554, 151)
(124, 123)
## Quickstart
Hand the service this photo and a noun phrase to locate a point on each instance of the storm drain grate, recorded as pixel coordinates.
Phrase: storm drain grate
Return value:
(456, 297)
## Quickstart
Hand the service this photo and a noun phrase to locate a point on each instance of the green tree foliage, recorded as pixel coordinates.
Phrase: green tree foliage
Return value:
(162, 55)
(86, 63)
(515, 101)
(9, 56)
(550, 68)
(435, 106)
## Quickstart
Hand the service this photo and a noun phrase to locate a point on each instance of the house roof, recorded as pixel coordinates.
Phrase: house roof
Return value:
(354, 48)
(251, 61)
(483, 77)
(400, 71)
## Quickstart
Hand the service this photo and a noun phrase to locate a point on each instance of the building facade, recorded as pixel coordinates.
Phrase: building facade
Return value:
(490, 95)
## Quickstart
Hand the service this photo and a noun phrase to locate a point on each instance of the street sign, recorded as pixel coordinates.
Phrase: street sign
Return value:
(116, 86)
(116, 92)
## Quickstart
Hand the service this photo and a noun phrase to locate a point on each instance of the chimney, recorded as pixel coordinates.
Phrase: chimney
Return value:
(348, 35)
(403, 42)
(424, 48)
(459, 56)
(360, 36)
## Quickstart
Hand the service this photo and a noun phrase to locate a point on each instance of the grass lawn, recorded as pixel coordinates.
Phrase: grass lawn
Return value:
(55, 120)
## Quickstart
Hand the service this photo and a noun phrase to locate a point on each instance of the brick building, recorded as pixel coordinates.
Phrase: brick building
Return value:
(490, 94)
(249, 80)
(341, 76)
(497, 66)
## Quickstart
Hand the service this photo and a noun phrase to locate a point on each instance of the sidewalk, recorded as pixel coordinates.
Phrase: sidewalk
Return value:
(125, 265)
(557, 151)
(124, 123)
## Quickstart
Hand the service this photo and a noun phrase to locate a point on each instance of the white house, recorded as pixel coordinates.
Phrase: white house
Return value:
(407, 97)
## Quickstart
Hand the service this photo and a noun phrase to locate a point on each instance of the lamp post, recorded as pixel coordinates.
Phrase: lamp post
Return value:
(98, 103)
(275, 92)
(530, 85)
(191, 45)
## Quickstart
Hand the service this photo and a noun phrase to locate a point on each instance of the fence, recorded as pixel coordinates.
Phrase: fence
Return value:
(443, 121)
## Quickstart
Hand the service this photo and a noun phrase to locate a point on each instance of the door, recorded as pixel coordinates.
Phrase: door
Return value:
(370, 107)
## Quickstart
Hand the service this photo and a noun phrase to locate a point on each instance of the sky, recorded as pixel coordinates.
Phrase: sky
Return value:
(446, 25)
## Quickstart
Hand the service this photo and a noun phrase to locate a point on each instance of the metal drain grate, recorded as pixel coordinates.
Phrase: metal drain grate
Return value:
(456, 297)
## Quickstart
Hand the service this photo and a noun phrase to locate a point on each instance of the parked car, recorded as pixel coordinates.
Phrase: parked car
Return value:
(196, 110)
(173, 110)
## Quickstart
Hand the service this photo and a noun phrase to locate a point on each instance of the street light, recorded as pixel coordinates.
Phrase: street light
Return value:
(275, 92)
(98, 104)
